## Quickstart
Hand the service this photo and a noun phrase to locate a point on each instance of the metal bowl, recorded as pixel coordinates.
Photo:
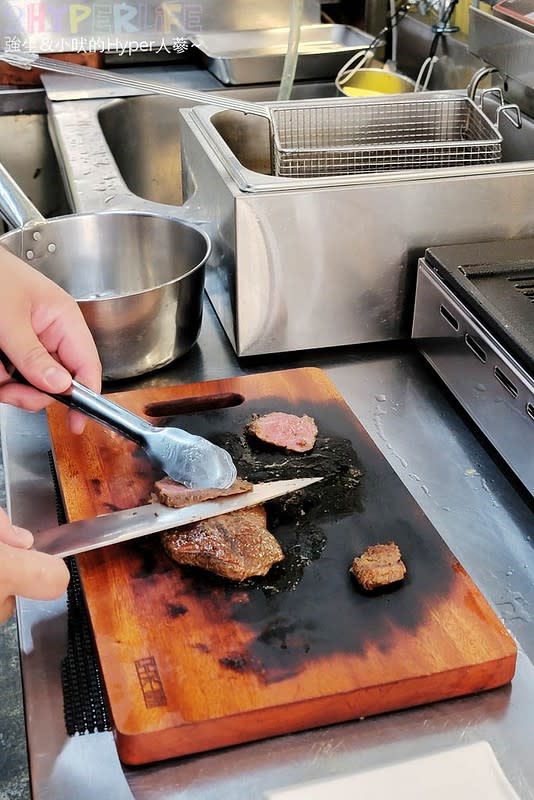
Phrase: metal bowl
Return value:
(370, 82)
(138, 279)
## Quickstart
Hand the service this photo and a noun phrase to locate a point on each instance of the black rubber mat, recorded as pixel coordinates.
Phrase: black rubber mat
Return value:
(84, 703)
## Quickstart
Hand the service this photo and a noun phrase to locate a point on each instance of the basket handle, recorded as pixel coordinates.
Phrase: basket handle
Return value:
(496, 91)
(505, 110)
(511, 111)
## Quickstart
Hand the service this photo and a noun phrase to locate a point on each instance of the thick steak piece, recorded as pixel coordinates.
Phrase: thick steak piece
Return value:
(380, 565)
(235, 545)
(285, 430)
(176, 495)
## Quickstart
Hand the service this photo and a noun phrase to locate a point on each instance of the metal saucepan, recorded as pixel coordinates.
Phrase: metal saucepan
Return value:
(138, 277)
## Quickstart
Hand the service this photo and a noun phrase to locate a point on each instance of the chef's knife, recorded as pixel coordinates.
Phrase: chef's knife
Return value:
(120, 526)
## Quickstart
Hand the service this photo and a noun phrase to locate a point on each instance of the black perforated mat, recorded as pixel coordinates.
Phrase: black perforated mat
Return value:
(84, 704)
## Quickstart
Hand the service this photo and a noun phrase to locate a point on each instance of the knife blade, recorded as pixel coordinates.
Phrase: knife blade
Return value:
(131, 523)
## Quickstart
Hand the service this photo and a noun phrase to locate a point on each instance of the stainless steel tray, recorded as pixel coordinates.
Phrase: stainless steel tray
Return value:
(241, 57)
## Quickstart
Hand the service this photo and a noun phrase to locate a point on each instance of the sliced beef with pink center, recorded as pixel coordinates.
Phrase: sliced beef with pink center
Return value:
(176, 495)
(285, 430)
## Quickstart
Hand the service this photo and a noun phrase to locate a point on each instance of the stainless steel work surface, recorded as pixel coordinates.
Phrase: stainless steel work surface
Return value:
(245, 57)
(473, 505)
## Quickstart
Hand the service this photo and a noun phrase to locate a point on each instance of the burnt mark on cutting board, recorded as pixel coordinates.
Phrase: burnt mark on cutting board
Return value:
(150, 560)
(201, 647)
(389, 588)
(111, 507)
(308, 607)
(238, 662)
(175, 610)
(96, 483)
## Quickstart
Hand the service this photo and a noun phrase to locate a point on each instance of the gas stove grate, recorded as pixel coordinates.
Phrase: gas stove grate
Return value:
(495, 280)
(524, 285)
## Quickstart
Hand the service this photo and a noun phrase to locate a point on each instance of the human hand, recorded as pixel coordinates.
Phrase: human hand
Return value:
(44, 335)
(25, 572)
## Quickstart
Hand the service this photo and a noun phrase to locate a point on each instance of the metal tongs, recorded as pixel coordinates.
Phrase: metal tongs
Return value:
(184, 457)
(27, 60)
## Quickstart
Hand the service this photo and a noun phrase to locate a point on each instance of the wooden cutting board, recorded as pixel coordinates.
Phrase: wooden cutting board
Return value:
(191, 662)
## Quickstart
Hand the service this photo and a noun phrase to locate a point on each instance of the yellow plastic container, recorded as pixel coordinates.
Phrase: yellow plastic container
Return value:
(371, 82)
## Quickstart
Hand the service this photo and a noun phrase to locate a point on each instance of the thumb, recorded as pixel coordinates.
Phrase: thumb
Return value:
(12, 534)
(35, 363)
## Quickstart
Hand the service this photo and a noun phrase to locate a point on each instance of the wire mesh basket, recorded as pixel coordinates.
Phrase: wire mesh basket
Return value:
(363, 136)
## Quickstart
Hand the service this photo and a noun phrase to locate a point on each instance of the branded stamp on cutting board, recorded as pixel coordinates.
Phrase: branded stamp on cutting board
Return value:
(192, 662)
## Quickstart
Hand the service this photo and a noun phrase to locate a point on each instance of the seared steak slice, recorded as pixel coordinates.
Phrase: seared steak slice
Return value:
(235, 545)
(379, 565)
(176, 495)
(285, 430)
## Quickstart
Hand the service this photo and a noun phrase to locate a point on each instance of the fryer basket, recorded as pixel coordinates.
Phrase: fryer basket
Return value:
(315, 140)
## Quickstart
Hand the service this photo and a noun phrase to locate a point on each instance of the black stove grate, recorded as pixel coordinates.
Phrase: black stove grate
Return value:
(495, 280)
(84, 703)
(524, 285)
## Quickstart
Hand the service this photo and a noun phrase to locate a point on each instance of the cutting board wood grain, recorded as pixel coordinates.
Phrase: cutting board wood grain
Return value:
(191, 662)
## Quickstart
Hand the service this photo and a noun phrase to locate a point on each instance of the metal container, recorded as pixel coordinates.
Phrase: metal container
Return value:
(257, 56)
(307, 262)
(319, 262)
(138, 277)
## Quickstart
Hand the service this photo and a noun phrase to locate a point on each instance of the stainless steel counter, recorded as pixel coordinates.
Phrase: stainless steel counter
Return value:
(458, 484)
